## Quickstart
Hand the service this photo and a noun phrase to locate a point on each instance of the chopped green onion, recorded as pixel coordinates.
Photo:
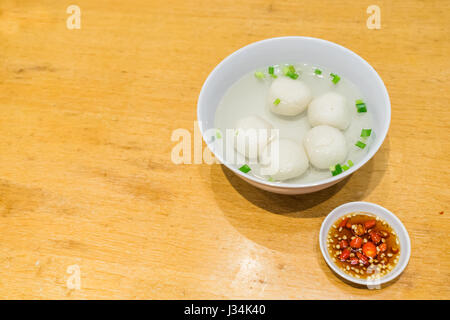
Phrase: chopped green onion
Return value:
(318, 71)
(245, 168)
(336, 169)
(259, 75)
(335, 78)
(360, 106)
(366, 133)
(218, 134)
(360, 144)
(347, 166)
(270, 179)
(272, 72)
(277, 101)
(289, 71)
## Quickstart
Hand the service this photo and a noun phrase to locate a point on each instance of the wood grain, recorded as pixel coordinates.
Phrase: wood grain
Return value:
(85, 173)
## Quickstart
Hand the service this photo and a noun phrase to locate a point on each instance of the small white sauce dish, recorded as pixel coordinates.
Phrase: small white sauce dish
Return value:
(384, 214)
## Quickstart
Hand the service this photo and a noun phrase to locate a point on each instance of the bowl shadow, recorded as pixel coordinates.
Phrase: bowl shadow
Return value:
(296, 206)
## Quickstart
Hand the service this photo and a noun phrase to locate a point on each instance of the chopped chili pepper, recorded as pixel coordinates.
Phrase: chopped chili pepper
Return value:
(359, 240)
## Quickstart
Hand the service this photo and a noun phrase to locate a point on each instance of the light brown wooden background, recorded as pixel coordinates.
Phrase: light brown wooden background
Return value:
(85, 173)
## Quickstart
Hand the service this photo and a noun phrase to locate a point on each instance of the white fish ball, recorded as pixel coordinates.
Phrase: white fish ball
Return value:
(252, 134)
(288, 97)
(329, 109)
(283, 159)
(325, 146)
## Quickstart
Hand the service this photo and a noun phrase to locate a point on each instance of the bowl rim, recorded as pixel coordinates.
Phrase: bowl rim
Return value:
(374, 148)
(399, 229)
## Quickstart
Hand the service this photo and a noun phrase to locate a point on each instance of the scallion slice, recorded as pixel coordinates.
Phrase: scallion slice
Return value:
(259, 75)
(245, 168)
(366, 133)
(218, 134)
(336, 169)
(360, 144)
(289, 71)
(277, 101)
(318, 71)
(271, 70)
(347, 166)
(335, 78)
(270, 179)
(360, 106)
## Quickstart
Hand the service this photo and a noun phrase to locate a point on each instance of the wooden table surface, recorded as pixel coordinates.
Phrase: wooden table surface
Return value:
(87, 182)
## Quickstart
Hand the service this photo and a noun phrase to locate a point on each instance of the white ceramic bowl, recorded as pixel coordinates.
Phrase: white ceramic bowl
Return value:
(384, 214)
(297, 49)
